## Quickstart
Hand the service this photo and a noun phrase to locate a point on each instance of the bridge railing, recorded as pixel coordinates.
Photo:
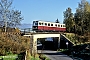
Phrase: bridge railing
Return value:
(27, 30)
(30, 30)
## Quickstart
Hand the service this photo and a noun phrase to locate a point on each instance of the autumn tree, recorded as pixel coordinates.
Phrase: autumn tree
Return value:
(82, 16)
(57, 21)
(79, 22)
(82, 20)
(68, 19)
(13, 43)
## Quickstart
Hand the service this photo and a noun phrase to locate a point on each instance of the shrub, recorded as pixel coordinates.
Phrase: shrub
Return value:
(12, 42)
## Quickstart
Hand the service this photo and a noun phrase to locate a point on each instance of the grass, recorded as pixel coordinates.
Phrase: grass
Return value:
(14, 56)
(9, 57)
(34, 58)
(43, 56)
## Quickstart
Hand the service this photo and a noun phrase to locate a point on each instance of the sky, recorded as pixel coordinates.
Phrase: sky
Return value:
(47, 10)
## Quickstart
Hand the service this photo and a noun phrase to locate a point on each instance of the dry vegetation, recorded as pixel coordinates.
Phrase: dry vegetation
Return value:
(13, 42)
(77, 39)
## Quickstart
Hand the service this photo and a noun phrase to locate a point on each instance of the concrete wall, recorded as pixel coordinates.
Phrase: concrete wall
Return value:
(36, 36)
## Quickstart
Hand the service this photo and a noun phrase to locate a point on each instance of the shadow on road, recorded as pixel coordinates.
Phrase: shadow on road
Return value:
(47, 52)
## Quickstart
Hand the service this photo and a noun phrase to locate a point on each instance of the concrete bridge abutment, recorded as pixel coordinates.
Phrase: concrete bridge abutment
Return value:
(34, 37)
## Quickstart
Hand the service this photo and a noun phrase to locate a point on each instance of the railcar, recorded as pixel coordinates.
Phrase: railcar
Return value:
(48, 26)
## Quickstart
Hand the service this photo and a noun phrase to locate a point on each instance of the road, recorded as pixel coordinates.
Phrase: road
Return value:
(54, 55)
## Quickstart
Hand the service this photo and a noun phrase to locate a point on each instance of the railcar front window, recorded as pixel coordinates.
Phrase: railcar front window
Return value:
(36, 23)
(33, 23)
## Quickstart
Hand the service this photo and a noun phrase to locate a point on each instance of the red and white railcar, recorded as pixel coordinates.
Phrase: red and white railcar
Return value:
(48, 26)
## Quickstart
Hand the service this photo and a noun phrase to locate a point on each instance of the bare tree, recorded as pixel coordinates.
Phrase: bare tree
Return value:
(4, 10)
(9, 16)
(15, 18)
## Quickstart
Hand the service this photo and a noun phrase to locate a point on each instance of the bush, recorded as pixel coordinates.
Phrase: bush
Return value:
(13, 43)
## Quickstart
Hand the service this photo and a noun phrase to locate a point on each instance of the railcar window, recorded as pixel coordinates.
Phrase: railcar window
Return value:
(39, 23)
(42, 23)
(51, 24)
(48, 24)
(45, 23)
(61, 25)
(56, 25)
(33, 23)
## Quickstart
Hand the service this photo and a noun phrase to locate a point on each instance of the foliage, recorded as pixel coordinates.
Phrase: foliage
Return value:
(81, 17)
(10, 29)
(12, 42)
(79, 22)
(36, 58)
(68, 19)
(82, 21)
(43, 57)
(80, 51)
(9, 57)
(57, 21)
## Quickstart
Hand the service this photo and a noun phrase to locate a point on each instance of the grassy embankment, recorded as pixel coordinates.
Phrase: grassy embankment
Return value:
(81, 50)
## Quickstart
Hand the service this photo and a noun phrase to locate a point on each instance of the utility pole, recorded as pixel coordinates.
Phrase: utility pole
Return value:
(5, 20)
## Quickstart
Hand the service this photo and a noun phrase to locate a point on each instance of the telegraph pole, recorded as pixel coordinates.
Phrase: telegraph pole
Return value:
(5, 21)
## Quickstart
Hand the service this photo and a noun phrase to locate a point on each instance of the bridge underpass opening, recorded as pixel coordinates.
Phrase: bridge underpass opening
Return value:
(47, 43)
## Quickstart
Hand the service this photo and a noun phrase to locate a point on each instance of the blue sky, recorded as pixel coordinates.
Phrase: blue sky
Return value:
(47, 10)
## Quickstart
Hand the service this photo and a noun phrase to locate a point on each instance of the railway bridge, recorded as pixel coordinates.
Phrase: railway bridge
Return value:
(34, 37)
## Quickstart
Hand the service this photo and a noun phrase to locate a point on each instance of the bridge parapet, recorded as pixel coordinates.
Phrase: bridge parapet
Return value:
(14, 33)
(30, 31)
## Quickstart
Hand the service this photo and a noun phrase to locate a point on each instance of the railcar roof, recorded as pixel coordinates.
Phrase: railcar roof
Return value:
(47, 21)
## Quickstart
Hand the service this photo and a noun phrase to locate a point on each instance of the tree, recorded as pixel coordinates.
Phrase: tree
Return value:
(8, 15)
(15, 18)
(82, 19)
(57, 21)
(68, 19)
(82, 16)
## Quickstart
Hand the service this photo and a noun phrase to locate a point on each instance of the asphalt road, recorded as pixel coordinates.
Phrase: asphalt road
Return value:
(54, 55)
